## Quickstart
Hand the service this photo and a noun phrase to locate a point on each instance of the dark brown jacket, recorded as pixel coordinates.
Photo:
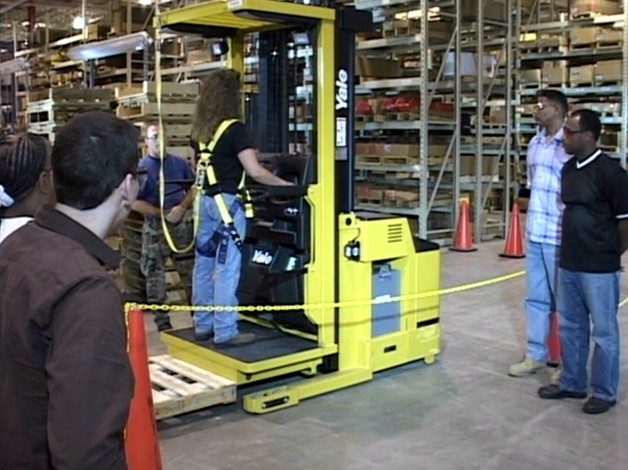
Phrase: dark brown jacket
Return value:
(65, 378)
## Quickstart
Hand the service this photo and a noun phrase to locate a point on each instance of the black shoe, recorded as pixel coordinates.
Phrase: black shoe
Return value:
(200, 337)
(596, 406)
(164, 326)
(555, 392)
(240, 338)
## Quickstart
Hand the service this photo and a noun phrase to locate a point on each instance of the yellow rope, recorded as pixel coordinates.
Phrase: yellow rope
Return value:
(327, 305)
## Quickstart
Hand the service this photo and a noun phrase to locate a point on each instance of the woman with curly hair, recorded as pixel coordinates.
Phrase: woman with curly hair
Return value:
(218, 257)
(25, 179)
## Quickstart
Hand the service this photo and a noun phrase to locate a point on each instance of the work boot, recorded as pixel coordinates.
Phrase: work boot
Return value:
(164, 326)
(556, 392)
(525, 368)
(596, 406)
(240, 338)
(204, 336)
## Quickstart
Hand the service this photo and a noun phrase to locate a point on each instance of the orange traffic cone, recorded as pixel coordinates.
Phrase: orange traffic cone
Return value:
(142, 443)
(553, 342)
(514, 241)
(464, 230)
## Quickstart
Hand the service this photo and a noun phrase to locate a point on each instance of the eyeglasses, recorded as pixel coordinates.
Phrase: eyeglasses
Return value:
(154, 137)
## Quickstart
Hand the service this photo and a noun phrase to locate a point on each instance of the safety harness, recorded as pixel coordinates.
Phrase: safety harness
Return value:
(205, 173)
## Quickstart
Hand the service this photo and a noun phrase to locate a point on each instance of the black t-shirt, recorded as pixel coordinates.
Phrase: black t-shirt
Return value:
(595, 193)
(225, 160)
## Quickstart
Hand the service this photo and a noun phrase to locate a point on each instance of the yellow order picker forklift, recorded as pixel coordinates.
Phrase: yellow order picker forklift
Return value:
(307, 246)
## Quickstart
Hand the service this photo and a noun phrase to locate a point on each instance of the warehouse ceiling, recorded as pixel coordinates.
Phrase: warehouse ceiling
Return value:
(60, 14)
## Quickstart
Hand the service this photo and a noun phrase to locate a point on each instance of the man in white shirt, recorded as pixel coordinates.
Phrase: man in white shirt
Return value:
(25, 180)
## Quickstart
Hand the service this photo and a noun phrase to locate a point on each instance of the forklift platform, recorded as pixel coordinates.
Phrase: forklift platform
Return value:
(269, 343)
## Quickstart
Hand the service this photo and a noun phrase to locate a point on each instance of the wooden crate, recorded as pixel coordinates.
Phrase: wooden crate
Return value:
(179, 387)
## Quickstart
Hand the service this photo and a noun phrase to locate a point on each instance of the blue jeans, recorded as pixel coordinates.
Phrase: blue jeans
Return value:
(542, 275)
(216, 275)
(595, 295)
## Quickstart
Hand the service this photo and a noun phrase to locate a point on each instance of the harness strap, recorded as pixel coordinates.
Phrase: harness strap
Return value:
(205, 173)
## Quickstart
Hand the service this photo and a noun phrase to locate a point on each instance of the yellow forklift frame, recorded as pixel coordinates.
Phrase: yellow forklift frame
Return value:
(344, 334)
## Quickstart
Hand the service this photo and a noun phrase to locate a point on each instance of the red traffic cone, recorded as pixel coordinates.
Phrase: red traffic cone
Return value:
(464, 230)
(553, 342)
(514, 241)
(142, 443)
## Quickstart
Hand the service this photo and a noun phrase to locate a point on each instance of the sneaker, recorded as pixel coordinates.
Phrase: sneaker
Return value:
(164, 326)
(555, 377)
(525, 368)
(240, 338)
(596, 406)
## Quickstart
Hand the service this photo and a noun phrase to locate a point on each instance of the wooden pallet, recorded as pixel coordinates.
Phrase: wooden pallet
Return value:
(608, 45)
(175, 92)
(370, 202)
(403, 116)
(364, 117)
(169, 111)
(400, 160)
(71, 95)
(179, 387)
(368, 159)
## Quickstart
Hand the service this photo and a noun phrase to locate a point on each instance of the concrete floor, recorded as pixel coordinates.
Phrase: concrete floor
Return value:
(462, 412)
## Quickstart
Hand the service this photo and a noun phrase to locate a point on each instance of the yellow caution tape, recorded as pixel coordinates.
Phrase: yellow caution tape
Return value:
(325, 305)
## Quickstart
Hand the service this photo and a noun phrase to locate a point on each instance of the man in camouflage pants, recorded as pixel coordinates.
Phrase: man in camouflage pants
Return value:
(155, 248)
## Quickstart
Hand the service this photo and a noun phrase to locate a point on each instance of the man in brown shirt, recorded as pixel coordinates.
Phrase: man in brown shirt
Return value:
(65, 378)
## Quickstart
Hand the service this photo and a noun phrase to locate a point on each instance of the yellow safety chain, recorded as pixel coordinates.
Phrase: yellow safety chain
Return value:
(326, 305)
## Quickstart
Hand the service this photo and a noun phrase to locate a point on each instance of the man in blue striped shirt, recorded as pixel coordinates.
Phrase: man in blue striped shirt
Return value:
(545, 161)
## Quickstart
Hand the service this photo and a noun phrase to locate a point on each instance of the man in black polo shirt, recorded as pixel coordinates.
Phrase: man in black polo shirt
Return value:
(595, 234)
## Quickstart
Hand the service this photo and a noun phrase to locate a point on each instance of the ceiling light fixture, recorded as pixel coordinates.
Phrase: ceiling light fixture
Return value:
(110, 47)
(78, 22)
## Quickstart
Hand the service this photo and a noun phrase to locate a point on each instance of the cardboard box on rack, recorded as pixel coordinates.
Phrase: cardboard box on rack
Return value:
(468, 165)
(373, 67)
(530, 77)
(583, 36)
(581, 75)
(608, 71)
(398, 150)
(554, 73)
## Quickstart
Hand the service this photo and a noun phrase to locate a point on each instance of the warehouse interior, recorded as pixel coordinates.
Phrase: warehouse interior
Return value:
(443, 109)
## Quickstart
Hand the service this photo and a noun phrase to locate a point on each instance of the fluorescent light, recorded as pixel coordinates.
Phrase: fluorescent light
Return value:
(13, 66)
(146, 2)
(78, 22)
(110, 47)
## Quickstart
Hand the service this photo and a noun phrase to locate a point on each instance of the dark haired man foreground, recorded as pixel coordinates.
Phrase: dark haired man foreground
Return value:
(66, 382)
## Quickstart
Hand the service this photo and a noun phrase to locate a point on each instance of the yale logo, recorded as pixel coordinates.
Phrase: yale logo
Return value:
(342, 95)
(262, 257)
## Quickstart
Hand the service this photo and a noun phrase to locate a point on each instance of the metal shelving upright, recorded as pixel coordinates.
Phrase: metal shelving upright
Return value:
(599, 94)
(425, 82)
(493, 45)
